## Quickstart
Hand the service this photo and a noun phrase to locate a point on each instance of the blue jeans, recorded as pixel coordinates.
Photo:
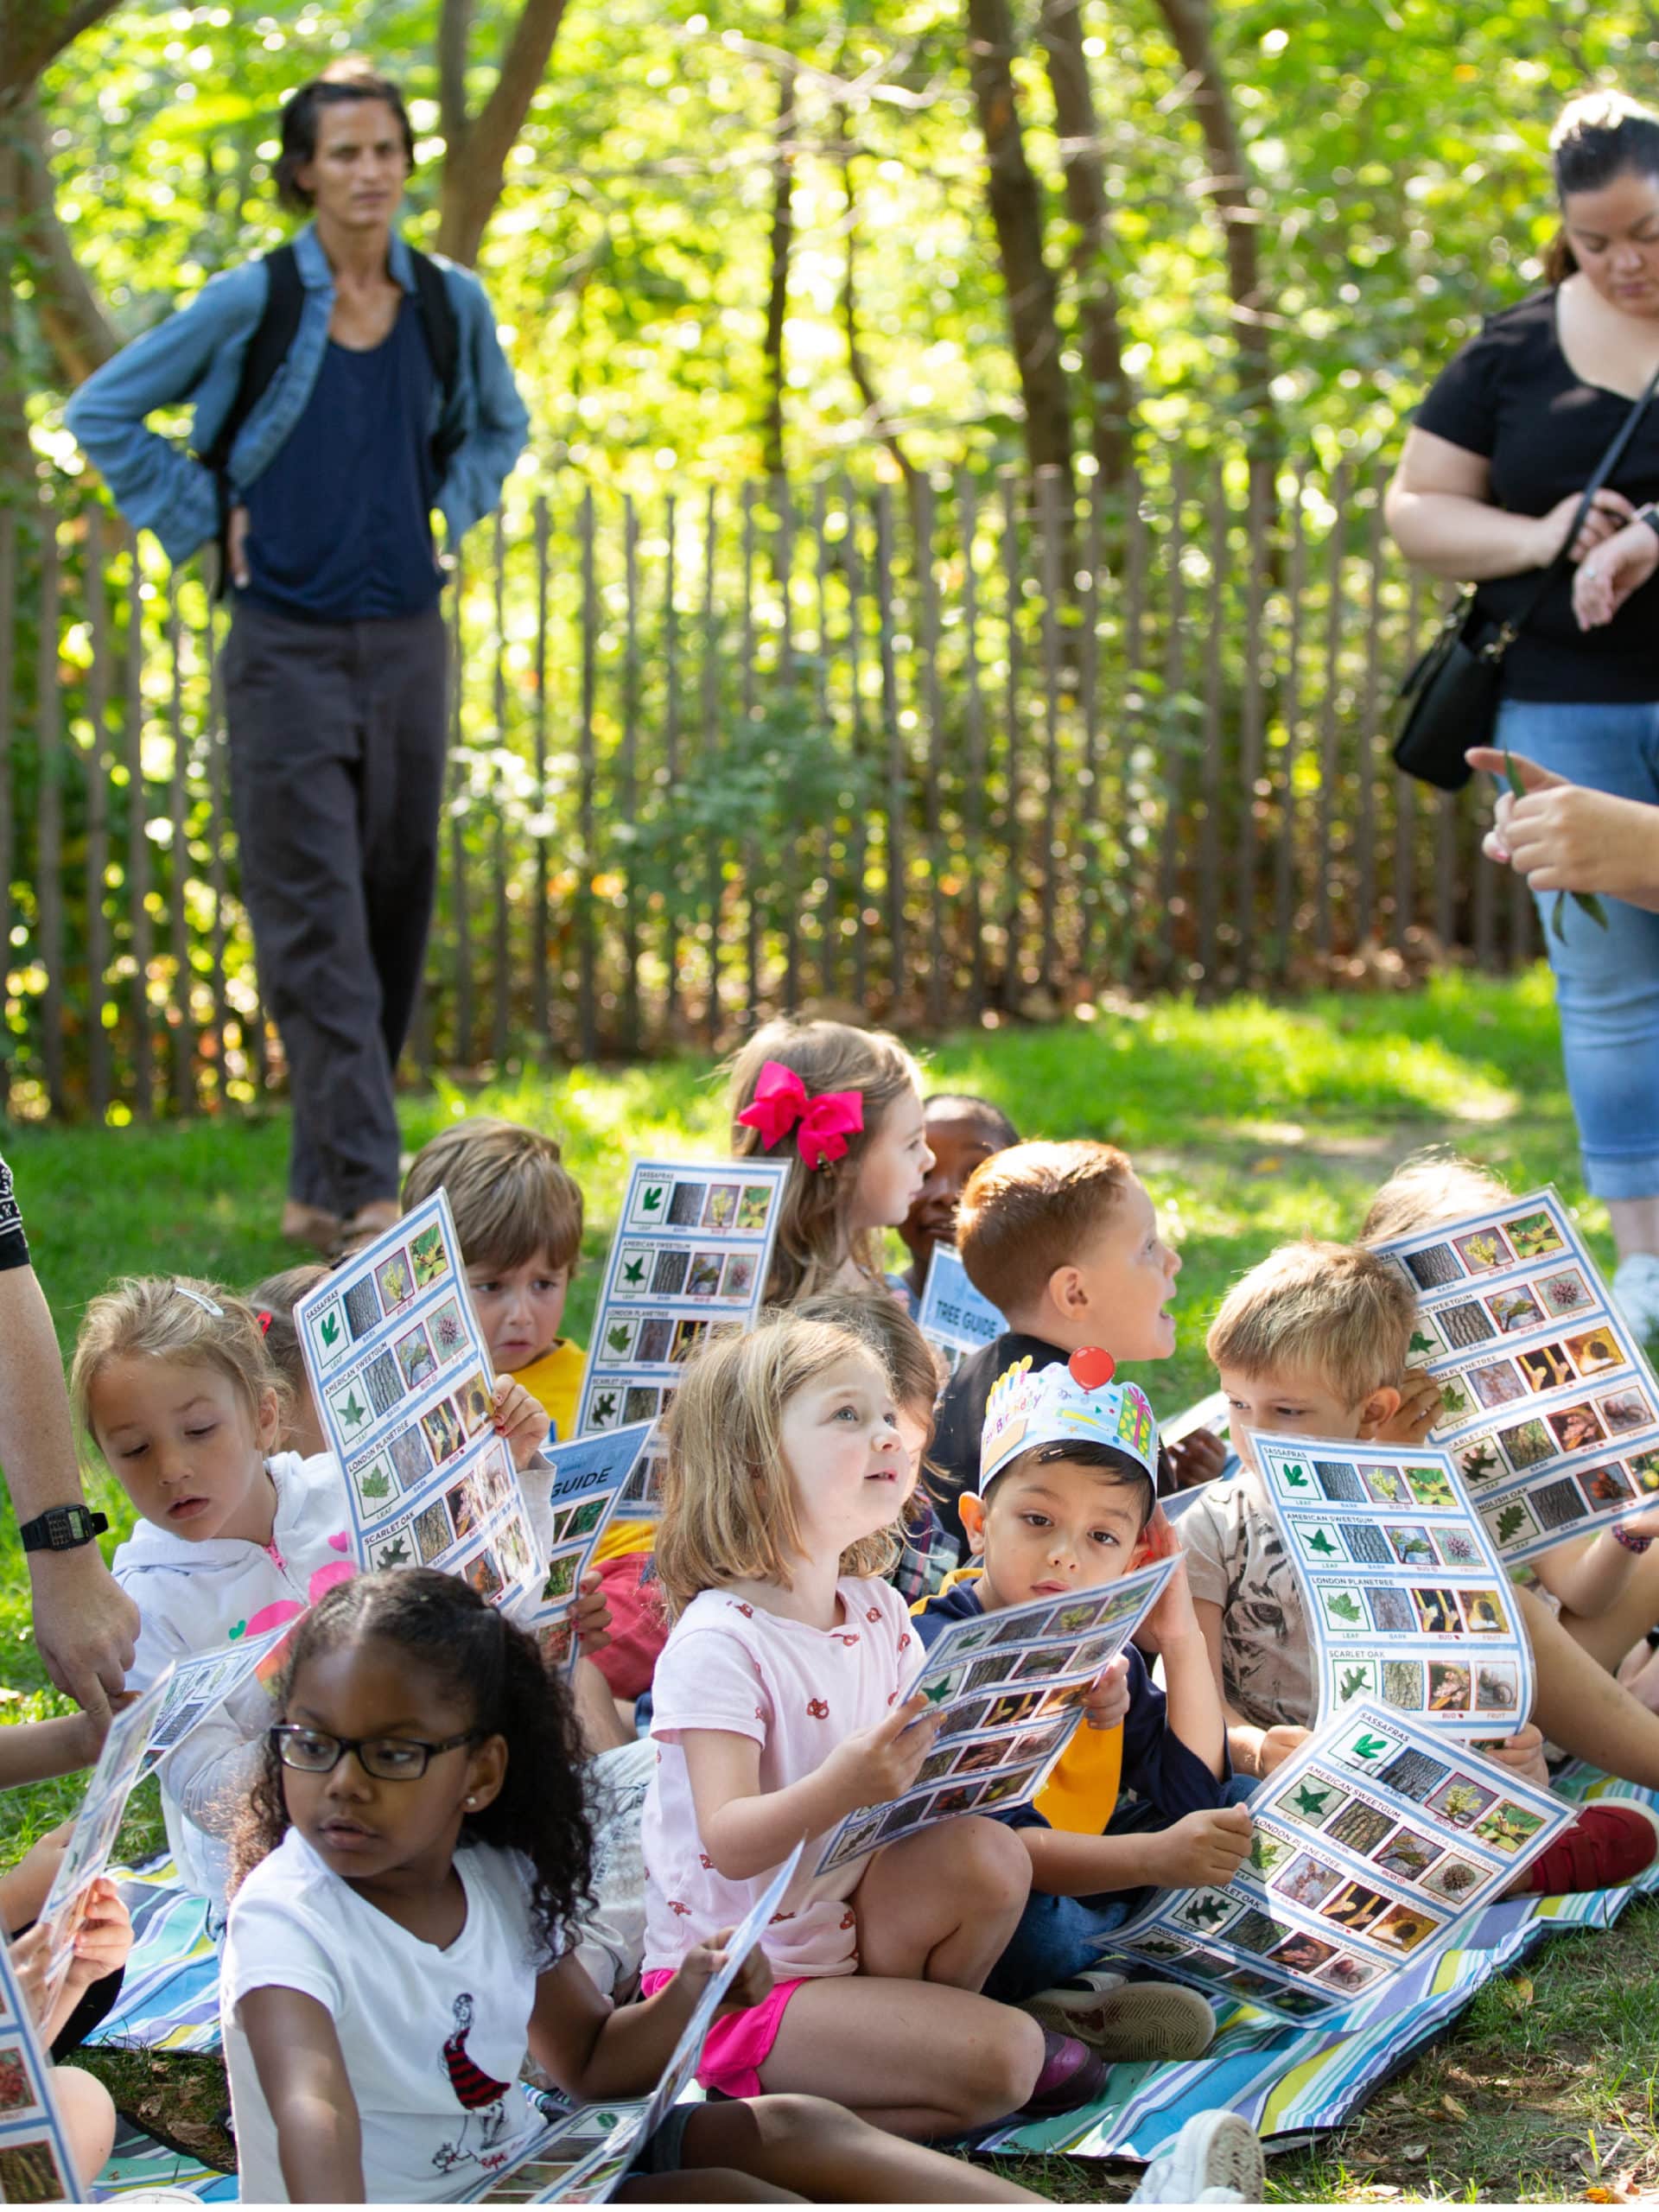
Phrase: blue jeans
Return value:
(1058, 1937)
(1606, 980)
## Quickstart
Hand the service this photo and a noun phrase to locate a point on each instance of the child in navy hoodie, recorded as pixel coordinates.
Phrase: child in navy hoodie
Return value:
(1064, 1502)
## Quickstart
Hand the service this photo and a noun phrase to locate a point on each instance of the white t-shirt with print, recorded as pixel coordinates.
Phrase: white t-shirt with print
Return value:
(433, 2039)
(1236, 1558)
(798, 1691)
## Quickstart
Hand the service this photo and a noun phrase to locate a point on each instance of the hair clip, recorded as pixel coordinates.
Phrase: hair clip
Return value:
(264, 1319)
(200, 1297)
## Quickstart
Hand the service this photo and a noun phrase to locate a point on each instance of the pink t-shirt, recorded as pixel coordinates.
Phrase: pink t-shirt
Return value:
(798, 1691)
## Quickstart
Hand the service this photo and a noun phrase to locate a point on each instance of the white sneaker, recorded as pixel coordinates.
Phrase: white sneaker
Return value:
(1124, 2019)
(1216, 2160)
(1636, 1293)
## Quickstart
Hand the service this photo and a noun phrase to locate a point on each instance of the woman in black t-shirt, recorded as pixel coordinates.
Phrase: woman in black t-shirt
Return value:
(1487, 487)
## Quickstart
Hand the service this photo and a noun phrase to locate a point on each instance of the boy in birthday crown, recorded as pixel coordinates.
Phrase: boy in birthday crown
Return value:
(1065, 1501)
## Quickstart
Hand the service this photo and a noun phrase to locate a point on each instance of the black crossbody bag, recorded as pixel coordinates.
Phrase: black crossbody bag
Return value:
(1449, 700)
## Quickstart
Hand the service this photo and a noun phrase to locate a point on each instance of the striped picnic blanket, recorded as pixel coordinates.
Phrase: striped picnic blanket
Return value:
(139, 2165)
(1293, 2083)
(169, 2000)
(1290, 2082)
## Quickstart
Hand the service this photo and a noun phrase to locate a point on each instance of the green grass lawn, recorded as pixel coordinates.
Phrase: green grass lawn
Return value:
(1250, 1123)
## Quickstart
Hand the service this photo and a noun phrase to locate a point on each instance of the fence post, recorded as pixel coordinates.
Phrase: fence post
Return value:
(928, 583)
(460, 900)
(49, 815)
(1055, 529)
(181, 1055)
(973, 803)
(672, 769)
(1174, 733)
(587, 839)
(143, 1075)
(1284, 859)
(213, 745)
(502, 933)
(897, 785)
(1258, 536)
(1405, 799)
(1090, 814)
(97, 819)
(627, 779)
(543, 927)
(749, 857)
(710, 754)
(1012, 839)
(1324, 857)
(1209, 776)
(1371, 768)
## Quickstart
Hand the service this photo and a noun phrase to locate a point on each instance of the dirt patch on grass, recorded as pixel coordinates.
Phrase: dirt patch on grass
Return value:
(179, 2097)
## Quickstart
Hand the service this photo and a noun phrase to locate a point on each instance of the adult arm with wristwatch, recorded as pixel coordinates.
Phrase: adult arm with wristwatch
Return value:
(85, 1624)
(1622, 563)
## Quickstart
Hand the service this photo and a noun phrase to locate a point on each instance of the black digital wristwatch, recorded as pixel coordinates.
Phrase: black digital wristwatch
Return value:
(62, 1528)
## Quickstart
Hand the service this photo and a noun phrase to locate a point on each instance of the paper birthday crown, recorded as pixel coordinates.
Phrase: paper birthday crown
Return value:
(1076, 1403)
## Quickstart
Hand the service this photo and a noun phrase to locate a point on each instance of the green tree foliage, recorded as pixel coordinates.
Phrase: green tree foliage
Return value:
(1397, 179)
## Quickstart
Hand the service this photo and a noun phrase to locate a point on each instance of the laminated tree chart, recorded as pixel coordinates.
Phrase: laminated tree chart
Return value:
(405, 1389)
(1009, 1689)
(1405, 1599)
(691, 1253)
(1550, 1409)
(1378, 1841)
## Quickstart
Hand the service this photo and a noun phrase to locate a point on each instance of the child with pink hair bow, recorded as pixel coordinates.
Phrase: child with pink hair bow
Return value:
(845, 1105)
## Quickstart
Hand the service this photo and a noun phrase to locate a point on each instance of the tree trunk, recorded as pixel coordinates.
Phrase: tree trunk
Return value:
(71, 316)
(1109, 394)
(16, 461)
(476, 147)
(783, 239)
(875, 415)
(1017, 213)
(1189, 23)
(33, 31)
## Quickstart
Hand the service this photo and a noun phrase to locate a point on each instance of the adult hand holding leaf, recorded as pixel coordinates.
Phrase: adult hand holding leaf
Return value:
(1563, 837)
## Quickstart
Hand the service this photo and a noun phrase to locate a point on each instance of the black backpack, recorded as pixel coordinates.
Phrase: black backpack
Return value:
(278, 326)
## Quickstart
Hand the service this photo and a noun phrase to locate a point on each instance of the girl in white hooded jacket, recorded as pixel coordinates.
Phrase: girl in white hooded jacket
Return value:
(235, 1536)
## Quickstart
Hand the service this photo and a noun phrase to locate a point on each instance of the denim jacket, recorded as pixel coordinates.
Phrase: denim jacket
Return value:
(197, 355)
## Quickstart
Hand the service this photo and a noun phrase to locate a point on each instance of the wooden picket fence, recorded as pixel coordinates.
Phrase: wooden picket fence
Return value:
(944, 752)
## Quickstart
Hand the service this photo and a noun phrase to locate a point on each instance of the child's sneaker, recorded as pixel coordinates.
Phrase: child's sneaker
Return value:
(1072, 2076)
(1216, 2160)
(1610, 1843)
(1128, 2019)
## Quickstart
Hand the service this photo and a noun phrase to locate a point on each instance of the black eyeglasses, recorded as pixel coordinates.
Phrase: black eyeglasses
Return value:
(388, 1759)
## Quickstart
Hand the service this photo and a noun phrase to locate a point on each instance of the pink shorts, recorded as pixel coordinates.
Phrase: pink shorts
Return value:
(736, 2047)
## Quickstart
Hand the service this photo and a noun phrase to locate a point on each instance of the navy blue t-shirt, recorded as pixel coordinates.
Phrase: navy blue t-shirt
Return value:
(340, 526)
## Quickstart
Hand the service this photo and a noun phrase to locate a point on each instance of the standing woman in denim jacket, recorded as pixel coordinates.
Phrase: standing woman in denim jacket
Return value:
(1488, 484)
(335, 677)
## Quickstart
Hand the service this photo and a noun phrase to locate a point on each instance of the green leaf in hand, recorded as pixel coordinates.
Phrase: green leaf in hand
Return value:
(1587, 899)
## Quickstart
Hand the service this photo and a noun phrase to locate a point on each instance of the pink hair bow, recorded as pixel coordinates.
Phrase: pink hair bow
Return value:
(781, 1104)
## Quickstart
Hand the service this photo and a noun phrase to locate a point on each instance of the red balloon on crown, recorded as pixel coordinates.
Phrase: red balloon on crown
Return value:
(1090, 1367)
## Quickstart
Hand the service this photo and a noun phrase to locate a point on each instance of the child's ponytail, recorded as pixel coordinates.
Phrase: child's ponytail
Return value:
(478, 1658)
(814, 1236)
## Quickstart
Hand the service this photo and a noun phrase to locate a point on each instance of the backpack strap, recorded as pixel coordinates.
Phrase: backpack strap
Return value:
(442, 334)
(267, 348)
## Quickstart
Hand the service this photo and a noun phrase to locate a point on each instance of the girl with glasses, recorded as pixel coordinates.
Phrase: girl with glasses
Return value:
(409, 1876)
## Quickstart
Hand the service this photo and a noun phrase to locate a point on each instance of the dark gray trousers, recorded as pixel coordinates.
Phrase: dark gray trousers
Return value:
(336, 749)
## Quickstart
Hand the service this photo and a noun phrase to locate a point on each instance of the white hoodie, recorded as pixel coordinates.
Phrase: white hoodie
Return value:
(196, 1597)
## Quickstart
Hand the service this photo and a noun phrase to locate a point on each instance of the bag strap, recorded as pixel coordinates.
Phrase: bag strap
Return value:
(442, 333)
(267, 348)
(1511, 630)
